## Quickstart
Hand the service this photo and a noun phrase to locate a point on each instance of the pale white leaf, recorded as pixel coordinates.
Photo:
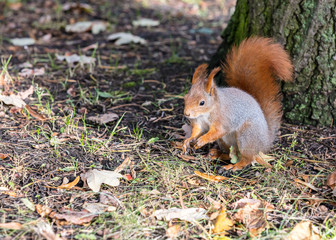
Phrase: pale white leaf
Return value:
(79, 27)
(96, 208)
(187, 214)
(13, 100)
(74, 58)
(98, 27)
(125, 38)
(22, 41)
(27, 72)
(145, 22)
(95, 178)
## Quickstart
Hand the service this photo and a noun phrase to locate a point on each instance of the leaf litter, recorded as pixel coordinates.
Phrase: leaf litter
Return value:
(158, 179)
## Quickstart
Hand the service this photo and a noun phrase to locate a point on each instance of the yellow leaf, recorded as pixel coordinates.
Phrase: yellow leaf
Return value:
(69, 185)
(210, 177)
(223, 223)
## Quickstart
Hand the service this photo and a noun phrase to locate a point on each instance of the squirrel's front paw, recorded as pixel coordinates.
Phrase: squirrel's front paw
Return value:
(200, 143)
(186, 145)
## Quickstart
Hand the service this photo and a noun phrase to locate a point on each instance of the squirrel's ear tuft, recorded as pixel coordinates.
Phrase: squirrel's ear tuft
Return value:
(210, 79)
(201, 71)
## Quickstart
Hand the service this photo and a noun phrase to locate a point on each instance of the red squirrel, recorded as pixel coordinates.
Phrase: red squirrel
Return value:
(247, 114)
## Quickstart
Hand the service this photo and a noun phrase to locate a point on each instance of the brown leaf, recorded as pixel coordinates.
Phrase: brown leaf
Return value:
(35, 114)
(223, 223)
(103, 118)
(74, 217)
(3, 156)
(108, 199)
(210, 177)
(44, 211)
(304, 230)
(9, 193)
(261, 159)
(69, 185)
(11, 225)
(252, 214)
(187, 157)
(331, 180)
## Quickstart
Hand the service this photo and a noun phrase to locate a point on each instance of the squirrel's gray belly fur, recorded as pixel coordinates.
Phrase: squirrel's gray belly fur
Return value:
(246, 121)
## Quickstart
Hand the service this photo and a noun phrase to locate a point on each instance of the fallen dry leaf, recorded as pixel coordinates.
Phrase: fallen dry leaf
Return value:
(262, 159)
(27, 72)
(96, 208)
(43, 211)
(125, 38)
(210, 177)
(95, 27)
(22, 41)
(9, 193)
(74, 58)
(13, 100)
(44, 229)
(252, 213)
(187, 157)
(173, 231)
(223, 223)
(304, 230)
(145, 22)
(95, 178)
(11, 225)
(187, 214)
(108, 199)
(3, 156)
(35, 114)
(26, 93)
(69, 185)
(75, 217)
(102, 119)
(331, 180)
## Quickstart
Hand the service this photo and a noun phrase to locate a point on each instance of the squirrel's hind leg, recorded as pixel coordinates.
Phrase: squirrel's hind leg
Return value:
(222, 153)
(244, 161)
(215, 153)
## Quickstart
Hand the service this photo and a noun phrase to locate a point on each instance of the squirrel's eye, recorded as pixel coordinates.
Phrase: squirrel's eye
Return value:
(201, 103)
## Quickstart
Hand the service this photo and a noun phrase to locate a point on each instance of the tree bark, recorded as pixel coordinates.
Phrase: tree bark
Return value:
(307, 29)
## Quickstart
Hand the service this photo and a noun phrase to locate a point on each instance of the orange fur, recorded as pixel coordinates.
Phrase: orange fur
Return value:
(200, 73)
(253, 68)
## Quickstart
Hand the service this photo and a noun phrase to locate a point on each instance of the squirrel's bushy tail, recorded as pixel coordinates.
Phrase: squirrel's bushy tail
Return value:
(253, 68)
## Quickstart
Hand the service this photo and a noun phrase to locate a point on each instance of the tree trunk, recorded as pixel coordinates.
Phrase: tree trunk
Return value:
(307, 30)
